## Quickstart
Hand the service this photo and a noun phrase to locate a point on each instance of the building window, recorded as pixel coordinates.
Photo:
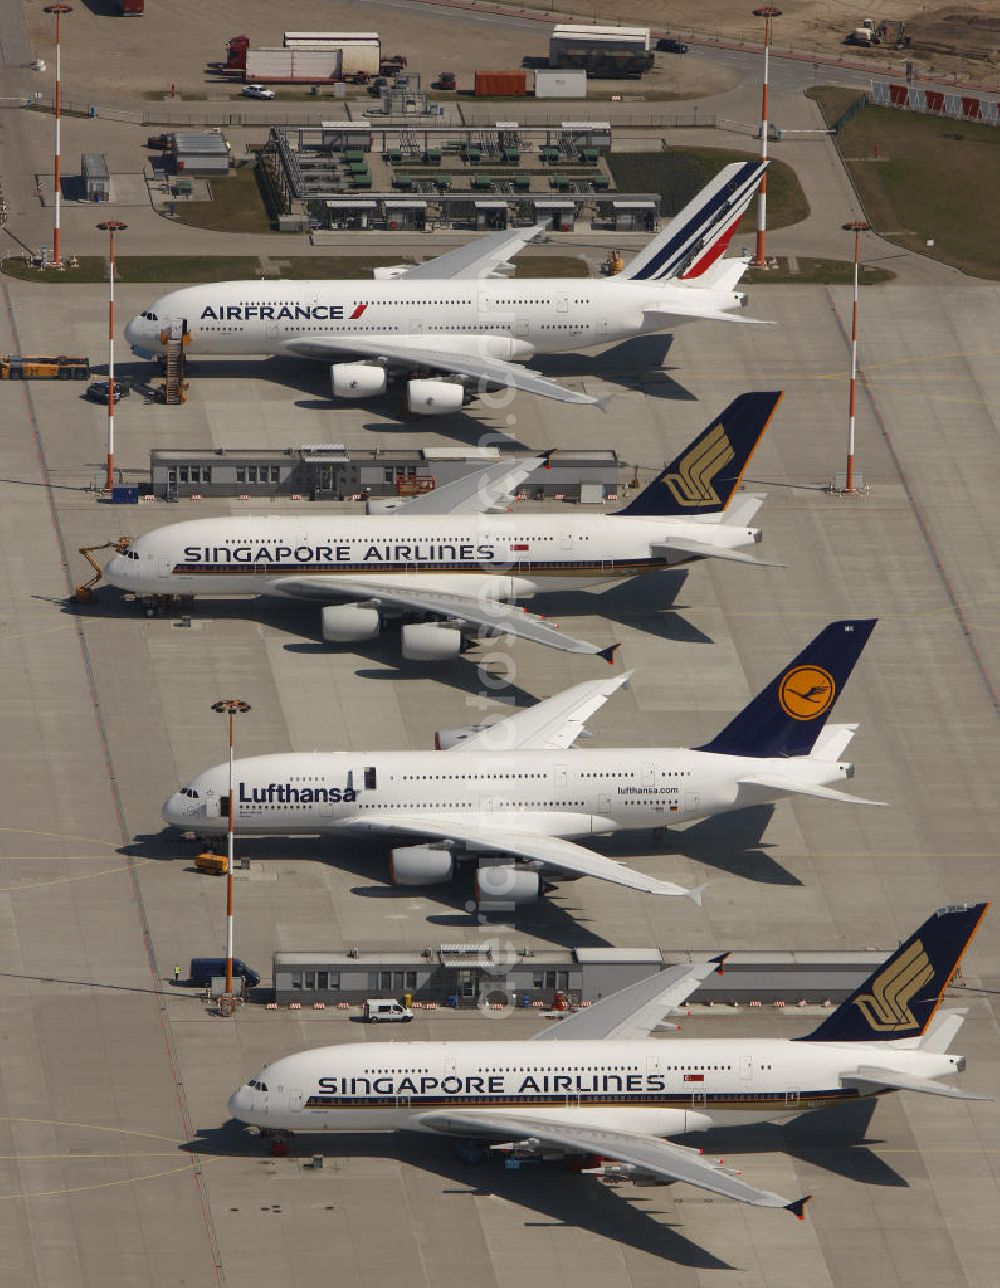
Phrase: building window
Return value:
(241, 474)
(323, 980)
(296, 979)
(251, 473)
(182, 473)
(537, 980)
(385, 979)
(310, 979)
(411, 979)
(275, 473)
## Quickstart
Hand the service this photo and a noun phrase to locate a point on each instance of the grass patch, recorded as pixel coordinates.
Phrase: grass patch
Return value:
(679, 173)
(938, 179)
(550, 266)
(237, 205)
(818, 272)
(141, 268)
(334, 267)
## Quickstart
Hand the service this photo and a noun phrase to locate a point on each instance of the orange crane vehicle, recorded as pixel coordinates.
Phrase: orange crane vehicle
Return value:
(85, 593)
(16, 367)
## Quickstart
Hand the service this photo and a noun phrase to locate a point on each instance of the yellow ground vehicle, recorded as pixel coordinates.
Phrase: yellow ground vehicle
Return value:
(15, 367)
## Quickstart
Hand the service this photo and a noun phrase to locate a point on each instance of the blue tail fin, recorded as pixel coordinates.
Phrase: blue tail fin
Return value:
(786, 718)
(900, 998)
(705, 475)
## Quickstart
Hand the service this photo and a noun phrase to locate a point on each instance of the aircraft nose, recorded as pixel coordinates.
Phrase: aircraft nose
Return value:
(172, 810)
(117, 570)
(239, 1104)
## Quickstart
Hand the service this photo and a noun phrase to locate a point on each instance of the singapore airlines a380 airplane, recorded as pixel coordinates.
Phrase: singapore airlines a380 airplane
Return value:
(447, 566)
(590, 1088)
(448, 330)
(510, 795)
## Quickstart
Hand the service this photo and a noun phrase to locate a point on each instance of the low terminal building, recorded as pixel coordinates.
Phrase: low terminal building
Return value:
(470, 974)
(333, 472)
(200, 154)
(96, 177)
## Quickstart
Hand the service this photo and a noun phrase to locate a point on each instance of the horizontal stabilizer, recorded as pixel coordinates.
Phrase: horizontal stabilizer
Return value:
(703, 550)
(871, 1078)
(663, 317)
(782, 783)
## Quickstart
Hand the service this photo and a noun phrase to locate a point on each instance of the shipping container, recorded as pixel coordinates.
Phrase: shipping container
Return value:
(299, 39)
(311, 65)
(554, 83)
(501, 84)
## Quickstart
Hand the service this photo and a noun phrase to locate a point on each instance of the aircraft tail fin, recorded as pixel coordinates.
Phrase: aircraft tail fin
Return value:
(702, 479)
(898, 1000)
(697, 236)
(787, 717)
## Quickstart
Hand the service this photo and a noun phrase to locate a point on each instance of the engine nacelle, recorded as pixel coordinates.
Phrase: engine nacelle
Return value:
(499, 886)
(445, 739)
(433, 397)
(358, 380)
(419, 865)
(425, 642)
(350, 623)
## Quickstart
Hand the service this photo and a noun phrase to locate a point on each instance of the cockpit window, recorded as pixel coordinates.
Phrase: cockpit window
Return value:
(257, 1084)
(150, 317)
(189, 791)
(131, 554)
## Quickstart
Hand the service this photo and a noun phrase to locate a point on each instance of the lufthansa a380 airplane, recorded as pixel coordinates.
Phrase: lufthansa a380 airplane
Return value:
(448, 330)
(590, 1088)
(447, 567)
(508, 796)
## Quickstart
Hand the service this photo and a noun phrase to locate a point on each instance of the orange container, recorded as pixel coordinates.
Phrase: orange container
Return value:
(501, 84)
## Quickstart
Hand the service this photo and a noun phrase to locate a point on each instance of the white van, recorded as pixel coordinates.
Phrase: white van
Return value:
(387, 1009)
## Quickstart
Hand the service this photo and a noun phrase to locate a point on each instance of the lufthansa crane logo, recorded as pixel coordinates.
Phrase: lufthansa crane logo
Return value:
(806, 692)
(692, 484)
(887, 1007)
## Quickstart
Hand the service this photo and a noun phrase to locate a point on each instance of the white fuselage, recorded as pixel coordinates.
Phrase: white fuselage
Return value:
(572, 793)
(501, 318)
(660, 1088)
(509, 556)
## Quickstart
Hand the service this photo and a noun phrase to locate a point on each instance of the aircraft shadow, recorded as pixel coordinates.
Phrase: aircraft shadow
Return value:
(556, 1197)
(633, 364)
(644, 603)
(834, 1140)
(464, 427)
(734, 843)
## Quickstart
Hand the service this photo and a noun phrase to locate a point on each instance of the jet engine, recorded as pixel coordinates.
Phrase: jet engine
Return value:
(501, 885)
(358, 379)
(433, 397)
(350, 623)
(445, 739)
(427, 642)
(418, 865)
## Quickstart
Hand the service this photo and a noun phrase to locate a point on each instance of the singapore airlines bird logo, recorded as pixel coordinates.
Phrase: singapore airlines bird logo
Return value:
(887, 1007)
(692, 484)
(806, 692)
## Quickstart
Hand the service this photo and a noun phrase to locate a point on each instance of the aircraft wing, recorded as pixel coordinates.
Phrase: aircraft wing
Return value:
(498, 835)
(632, 1012)
(409, 351)
(645, 1153)
(464, 610)
(550, 725)
(475, 493)
(477, 258)
(869, 1078)
(704, 550)
(781, 783)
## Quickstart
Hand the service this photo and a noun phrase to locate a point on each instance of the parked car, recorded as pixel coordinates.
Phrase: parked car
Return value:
(97, 391)
(257, 91)
(667, 45)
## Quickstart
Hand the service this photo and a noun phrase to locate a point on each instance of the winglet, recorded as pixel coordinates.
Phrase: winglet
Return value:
(696, 894)
(720, 960)
(548, 455)
(609, 653)
(798, 1208)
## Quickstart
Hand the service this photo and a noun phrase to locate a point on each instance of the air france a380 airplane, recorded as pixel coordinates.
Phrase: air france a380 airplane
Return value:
(448, 331)
(448, 570)
(590, 1088)
(509, 795)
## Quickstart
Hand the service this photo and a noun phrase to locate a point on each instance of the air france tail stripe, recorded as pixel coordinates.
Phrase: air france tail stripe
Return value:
(705, 221)
(713, 252)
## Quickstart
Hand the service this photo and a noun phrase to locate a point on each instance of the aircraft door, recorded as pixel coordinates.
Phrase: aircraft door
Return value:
(647, 774)
(746, 1068)
(216, 806)
(604, 802)
(602, 328)
(692, 802)
(792, 1098)
(272, 331)
(522, 327)
(562, 302)
(559, 775)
